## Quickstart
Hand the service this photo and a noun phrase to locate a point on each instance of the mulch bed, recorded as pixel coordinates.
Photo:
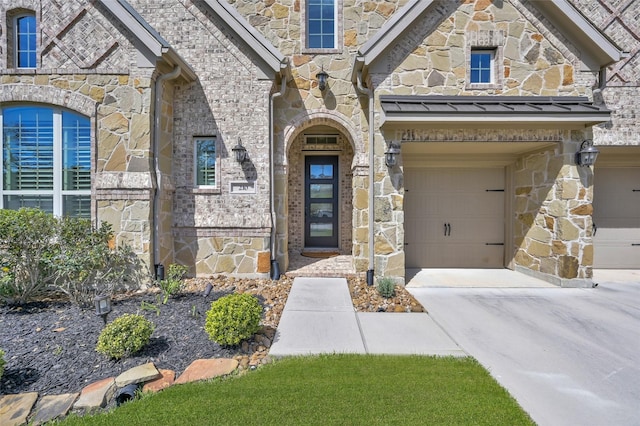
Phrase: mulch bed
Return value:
(50, 345)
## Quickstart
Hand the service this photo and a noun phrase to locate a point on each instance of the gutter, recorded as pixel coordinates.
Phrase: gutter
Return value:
(275, 267)
(368, 91)
(155, 149)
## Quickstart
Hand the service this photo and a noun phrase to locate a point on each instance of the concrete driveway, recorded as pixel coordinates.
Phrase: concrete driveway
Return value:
(569, 356)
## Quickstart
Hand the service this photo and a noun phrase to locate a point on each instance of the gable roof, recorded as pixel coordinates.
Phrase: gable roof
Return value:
(560, 12)
(256, 41)
(147, 36)
(439, 110)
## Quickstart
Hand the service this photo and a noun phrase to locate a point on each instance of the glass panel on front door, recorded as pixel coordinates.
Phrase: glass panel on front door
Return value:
(321, 201)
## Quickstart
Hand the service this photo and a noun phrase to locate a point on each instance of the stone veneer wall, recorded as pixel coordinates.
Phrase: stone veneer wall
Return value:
(433, 59)
(552, 215)
(215, 231)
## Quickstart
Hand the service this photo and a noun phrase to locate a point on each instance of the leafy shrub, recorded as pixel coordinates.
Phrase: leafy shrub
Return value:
(233, 318)
(126, 335)
(2, 362)
(86, 263)
(40, 253)
(173, 281)
(27, 246)
(386, 287)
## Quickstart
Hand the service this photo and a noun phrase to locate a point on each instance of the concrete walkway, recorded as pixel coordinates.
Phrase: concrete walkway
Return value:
(319, 317)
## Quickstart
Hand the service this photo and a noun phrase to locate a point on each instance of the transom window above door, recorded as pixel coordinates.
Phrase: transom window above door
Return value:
(46, 160)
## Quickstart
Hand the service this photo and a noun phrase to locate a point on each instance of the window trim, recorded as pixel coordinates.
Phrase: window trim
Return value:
(338, 29)
(15, 35)
(216, 186)
(57, 192)
(492, 64)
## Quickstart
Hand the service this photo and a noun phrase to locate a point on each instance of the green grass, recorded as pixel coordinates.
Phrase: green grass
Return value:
(332, 390)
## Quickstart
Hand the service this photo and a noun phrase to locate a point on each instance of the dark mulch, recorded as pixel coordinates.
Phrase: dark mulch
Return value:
(50, 346)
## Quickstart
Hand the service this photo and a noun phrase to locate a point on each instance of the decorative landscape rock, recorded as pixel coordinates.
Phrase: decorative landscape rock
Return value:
(50, 407)
(166, 379)
(203, 369)
(96, 395)
(140, 374)
(14, 409)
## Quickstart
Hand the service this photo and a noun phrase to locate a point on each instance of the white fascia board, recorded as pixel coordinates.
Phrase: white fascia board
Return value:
(263, 48)
(149, 40)
(584, 29)
(392, 29)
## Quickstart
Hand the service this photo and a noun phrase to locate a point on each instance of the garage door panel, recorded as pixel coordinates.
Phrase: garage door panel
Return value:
(616, 214)
(451, 215)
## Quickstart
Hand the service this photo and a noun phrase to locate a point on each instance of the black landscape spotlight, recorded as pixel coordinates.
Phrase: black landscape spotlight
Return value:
(103, 306)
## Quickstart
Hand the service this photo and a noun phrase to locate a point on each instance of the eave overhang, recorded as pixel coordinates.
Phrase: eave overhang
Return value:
(491, 111)
(272, 57)
(148, 37)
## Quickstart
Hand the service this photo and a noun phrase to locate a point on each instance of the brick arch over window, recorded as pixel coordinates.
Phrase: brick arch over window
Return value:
(328, 118)
(49, 95)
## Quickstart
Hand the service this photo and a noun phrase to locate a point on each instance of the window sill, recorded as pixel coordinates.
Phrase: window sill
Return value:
(483, 86)
(310, 51)
(204, 190)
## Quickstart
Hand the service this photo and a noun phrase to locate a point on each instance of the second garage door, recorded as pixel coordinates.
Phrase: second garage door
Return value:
(454, 218)
(616, 218)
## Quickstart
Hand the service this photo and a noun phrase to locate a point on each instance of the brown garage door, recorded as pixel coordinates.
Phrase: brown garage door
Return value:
(454, 218)
(616, 218)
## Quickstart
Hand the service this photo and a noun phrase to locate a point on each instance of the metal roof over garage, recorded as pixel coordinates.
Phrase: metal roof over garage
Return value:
(436, 109)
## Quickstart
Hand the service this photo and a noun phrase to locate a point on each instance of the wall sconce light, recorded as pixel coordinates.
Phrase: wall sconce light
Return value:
(391, 155)
(103, 306)
(322, 79)
(240, 152)
(587, 154)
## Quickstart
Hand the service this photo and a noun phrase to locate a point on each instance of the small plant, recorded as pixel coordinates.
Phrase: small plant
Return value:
(386, 287)
(2, 362)
(233, 318)
(146, 306)
(126, 335)
(173, 282)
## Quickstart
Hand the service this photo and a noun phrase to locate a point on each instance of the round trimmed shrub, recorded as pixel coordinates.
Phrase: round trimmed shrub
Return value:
(233, 318)
(126, 335)
(2, 362)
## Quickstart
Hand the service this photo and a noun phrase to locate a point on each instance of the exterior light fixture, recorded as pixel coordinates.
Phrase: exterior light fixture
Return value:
(240, 152)
(322, 79)
(391, 155)
(587, 154)
(103, 306)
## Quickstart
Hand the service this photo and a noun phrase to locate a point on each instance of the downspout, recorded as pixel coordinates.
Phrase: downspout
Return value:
(275, 267)
(155, 147)
(369, 93)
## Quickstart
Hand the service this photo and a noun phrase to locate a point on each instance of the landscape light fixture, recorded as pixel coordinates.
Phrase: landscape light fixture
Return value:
(103, 306)
(391, 155)
(240, 152)
(587, 154)
(322, 79)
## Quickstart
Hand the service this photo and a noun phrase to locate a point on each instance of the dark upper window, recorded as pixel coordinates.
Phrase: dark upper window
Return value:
(321, 24)
(25, 41)
(482, 65)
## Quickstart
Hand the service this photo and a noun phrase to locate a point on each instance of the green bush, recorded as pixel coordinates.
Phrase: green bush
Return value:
(233, 318)
(27, 246)
(40, 253)
(126, 335)
(386, 287)
(2, 362)
(173, 281)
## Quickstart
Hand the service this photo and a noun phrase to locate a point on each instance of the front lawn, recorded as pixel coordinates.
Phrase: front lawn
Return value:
(332, 389)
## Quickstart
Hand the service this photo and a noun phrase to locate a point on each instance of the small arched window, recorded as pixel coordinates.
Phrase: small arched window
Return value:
(25, 40)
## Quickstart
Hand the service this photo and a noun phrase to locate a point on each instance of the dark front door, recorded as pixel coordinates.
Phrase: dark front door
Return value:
(321, 201)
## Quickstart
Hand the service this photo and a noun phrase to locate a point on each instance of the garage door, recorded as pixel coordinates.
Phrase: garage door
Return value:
(616, 218)
(454, 218)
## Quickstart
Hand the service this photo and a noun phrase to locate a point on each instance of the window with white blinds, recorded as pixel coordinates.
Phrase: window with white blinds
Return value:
(46, 160)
